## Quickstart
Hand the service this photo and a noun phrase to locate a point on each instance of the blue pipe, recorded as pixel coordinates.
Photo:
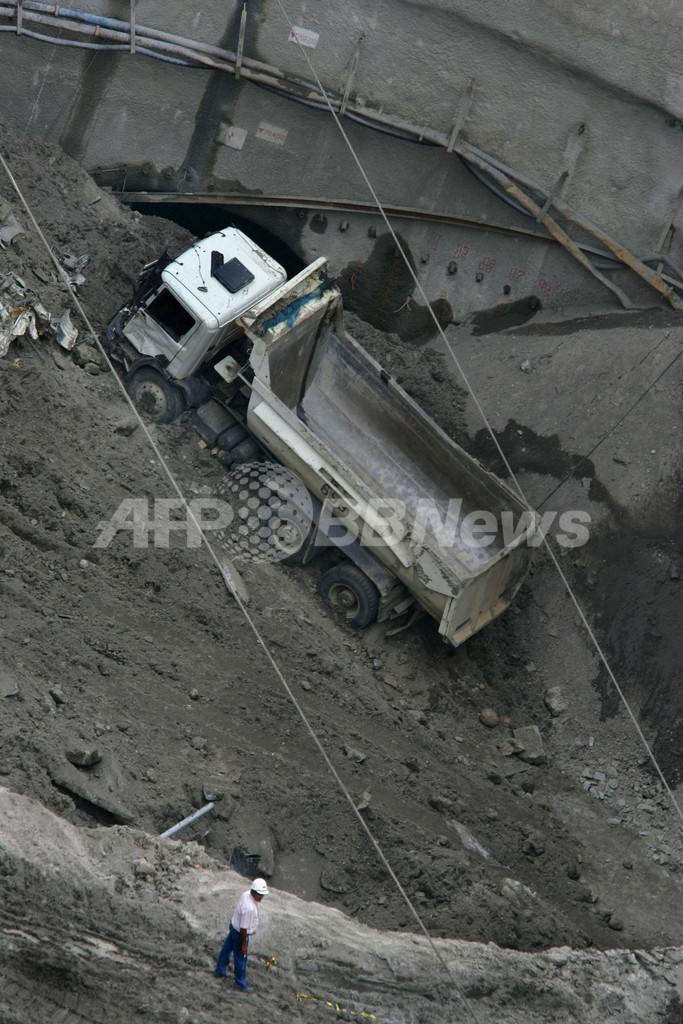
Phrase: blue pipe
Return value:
(120, 47)
(91, 19)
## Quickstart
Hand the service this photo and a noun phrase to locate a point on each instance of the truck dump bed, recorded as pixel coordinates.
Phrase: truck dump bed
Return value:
(398, 452)
(326, 409)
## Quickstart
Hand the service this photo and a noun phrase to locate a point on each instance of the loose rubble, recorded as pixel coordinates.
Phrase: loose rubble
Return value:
(494, 830)
(166, 905)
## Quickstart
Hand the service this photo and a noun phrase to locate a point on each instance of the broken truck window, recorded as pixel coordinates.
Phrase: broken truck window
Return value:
(170, 315)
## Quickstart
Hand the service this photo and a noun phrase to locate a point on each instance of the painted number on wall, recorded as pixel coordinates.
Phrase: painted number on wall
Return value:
(487, 264)
(516, 273)
(269, 133)
(460, 252)
(544, 286)
(304, 36)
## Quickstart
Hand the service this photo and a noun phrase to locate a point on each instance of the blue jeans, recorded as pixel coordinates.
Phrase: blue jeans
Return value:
(233, 945)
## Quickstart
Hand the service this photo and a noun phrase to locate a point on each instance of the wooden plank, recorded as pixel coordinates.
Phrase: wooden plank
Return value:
(461, 115)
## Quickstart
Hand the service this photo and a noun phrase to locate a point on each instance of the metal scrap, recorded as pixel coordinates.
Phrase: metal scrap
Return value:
(10, 284)
(73, 265)
(24, 320)
(9, 229)
(14, 322)
(21, 318)
(9, 225)
(66, 332)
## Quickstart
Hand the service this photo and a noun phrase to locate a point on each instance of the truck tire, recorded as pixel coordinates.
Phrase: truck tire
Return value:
(348, 590)
(156, 398)
(231, 437)
(289, 537)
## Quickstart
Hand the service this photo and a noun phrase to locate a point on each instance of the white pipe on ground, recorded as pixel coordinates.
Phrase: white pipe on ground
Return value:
(187, 821)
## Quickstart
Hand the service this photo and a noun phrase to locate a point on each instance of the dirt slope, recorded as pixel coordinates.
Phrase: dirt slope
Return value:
(121, 946)
(139, 654)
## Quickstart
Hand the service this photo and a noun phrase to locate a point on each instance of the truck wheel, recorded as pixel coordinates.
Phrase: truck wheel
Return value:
(293, 532)
(245, 451)
(289, 538)
(156, 398)
(349, 591)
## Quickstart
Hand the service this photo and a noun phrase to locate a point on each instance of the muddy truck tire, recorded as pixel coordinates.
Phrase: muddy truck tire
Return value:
(156, 397)
(348, 591)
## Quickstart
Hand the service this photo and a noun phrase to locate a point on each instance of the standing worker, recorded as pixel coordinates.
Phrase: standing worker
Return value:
(244, 923)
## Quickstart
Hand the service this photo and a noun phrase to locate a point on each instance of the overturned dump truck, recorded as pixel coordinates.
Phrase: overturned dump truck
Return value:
(419, 525)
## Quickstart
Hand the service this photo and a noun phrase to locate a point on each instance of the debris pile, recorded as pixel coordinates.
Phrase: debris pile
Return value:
(22, 315)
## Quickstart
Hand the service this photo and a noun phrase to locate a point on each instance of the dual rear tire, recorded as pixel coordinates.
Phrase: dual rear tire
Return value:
(350, 593)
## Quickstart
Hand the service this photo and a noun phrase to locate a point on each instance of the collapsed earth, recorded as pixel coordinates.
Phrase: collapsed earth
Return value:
(503, 778)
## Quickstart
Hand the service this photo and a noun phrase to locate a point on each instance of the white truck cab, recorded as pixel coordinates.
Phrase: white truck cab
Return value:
(189, 310)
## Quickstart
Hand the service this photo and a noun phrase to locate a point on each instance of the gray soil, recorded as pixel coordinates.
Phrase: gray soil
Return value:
(141, 654)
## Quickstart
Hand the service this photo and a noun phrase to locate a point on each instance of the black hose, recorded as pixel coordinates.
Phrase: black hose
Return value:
(499, 192)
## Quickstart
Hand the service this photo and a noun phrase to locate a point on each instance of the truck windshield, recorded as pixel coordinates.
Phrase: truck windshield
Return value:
(170, 315)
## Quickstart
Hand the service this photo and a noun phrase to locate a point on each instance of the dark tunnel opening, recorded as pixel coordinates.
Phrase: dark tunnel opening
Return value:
(204, 219)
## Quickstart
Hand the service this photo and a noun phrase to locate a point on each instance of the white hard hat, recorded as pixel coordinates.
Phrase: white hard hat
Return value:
(259, 887)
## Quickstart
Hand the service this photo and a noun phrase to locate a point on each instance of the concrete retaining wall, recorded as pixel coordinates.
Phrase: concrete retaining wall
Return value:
(585, 98)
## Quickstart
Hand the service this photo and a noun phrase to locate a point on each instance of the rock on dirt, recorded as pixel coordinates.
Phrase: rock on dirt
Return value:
(143, 869)
(354, 754)
(440, 803)
(125, 426)
(530, 743)
(488, 717)
(555, 701)
(83, 757)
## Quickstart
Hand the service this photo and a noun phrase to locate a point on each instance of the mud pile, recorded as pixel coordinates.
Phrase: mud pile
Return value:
(135, 923)
(132, 691)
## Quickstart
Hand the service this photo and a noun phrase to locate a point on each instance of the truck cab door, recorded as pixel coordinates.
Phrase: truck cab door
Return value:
(162, 326)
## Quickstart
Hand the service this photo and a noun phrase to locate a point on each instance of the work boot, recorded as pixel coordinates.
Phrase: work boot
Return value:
(245, 988)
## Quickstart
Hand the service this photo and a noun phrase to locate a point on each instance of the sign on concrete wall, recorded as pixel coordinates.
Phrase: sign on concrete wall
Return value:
(229, 135)
(269, 133)
(304, 36)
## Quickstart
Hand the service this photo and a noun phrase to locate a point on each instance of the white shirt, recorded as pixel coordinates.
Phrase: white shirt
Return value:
(246, 913)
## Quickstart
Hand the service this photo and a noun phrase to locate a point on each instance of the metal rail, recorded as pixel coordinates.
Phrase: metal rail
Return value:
(542, 216)
(541, 213)
(133, 198)
(324, 205)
